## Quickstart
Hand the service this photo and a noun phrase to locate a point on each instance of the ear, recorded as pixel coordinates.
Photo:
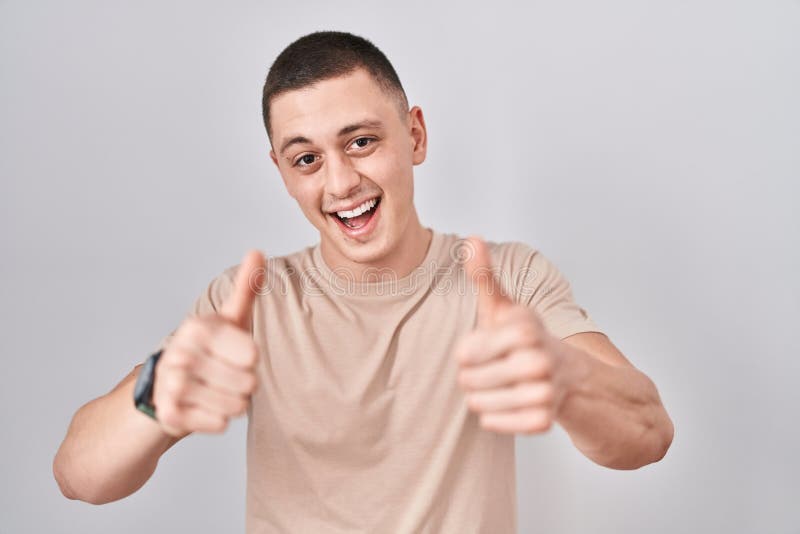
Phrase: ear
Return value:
(419, 135)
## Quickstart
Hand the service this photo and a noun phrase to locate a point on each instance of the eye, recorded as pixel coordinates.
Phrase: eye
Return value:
(305, 160)
(363, 142)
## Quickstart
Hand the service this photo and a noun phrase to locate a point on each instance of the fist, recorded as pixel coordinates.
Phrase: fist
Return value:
(509, 364)
(206, 374)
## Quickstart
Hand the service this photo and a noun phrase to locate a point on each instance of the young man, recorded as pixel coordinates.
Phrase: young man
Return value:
(385, 370)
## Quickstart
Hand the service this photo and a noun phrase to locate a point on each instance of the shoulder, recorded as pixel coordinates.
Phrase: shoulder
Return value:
(524, 271)
(513, 263)
(282, 272)
(518, 266)
(220, 286)
(511, 254)
(283, 264)
(507, 254)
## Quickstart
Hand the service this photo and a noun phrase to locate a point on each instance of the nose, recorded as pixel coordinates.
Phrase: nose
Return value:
(342, 177)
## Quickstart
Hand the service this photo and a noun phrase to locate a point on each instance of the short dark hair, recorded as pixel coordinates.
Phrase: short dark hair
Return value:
(323, 55)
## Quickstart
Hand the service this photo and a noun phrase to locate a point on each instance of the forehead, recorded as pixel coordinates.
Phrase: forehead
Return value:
(323, 109)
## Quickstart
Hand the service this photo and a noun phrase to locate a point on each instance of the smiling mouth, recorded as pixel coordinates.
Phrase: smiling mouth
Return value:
(359, 216)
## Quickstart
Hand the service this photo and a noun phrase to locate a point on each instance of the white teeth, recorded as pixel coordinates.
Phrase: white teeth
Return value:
(367, 205)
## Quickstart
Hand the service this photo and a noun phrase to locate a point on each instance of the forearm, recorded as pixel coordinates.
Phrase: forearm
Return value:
(111, 449)
(613, 414)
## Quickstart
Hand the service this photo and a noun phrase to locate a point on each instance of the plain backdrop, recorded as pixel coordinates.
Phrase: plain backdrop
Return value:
(650, 149)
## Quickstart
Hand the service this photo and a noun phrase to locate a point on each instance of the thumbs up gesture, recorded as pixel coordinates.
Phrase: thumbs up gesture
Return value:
(206, 374)
(509, 364)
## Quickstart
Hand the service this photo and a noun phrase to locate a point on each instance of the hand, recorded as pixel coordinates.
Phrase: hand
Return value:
(509, 364)
(207, 372)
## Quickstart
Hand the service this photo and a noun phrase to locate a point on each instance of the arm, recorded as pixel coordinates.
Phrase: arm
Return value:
(611, 410)
(520, 377)
(111, 449)
(205, 376)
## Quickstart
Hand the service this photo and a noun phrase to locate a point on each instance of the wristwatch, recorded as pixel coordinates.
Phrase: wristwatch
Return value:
(143, 390)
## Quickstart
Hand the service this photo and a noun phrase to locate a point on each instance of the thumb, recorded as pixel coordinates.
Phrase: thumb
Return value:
(478, 267)
(249, 276)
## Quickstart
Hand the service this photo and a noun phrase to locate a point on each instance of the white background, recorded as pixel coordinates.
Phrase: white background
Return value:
(650, 149)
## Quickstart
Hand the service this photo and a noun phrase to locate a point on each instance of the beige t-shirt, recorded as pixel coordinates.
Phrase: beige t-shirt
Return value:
(359, 424)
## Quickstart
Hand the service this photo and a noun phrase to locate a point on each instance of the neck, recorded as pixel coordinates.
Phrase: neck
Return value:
(406, 256)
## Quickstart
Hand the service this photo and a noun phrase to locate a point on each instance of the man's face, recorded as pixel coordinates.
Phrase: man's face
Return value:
(346, 154)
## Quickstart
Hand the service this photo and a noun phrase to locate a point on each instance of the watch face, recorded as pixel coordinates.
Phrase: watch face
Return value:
(144, 382)
(141, 386)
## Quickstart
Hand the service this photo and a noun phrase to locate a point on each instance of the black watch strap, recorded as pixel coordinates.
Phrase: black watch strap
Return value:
(143, 390)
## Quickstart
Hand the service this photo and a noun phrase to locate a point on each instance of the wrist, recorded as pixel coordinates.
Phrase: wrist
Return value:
(143, 389)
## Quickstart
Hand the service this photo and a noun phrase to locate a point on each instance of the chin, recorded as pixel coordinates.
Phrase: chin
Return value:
(372, 251)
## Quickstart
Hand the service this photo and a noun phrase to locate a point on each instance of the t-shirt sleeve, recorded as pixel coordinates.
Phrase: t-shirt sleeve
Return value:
(533, 280)
(209, 301)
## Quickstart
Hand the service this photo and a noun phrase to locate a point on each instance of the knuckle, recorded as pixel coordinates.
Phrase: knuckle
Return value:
(228, 406)
(548, 393)
(547, 366)
(546, 425)
(175, 384)
(219, 425)
(527, 394)
(251, 354)
(528, 367)
(536, 422)
(191, 326)
(168, 414)
(216, 325)
(464, 348)
(196, 330)
(177, 357)
(240, 406)
(485, 421)
(526, 334)
(250, 383)
(522, 337)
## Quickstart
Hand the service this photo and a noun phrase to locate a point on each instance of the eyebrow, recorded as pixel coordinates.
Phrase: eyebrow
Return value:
(350, 128)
